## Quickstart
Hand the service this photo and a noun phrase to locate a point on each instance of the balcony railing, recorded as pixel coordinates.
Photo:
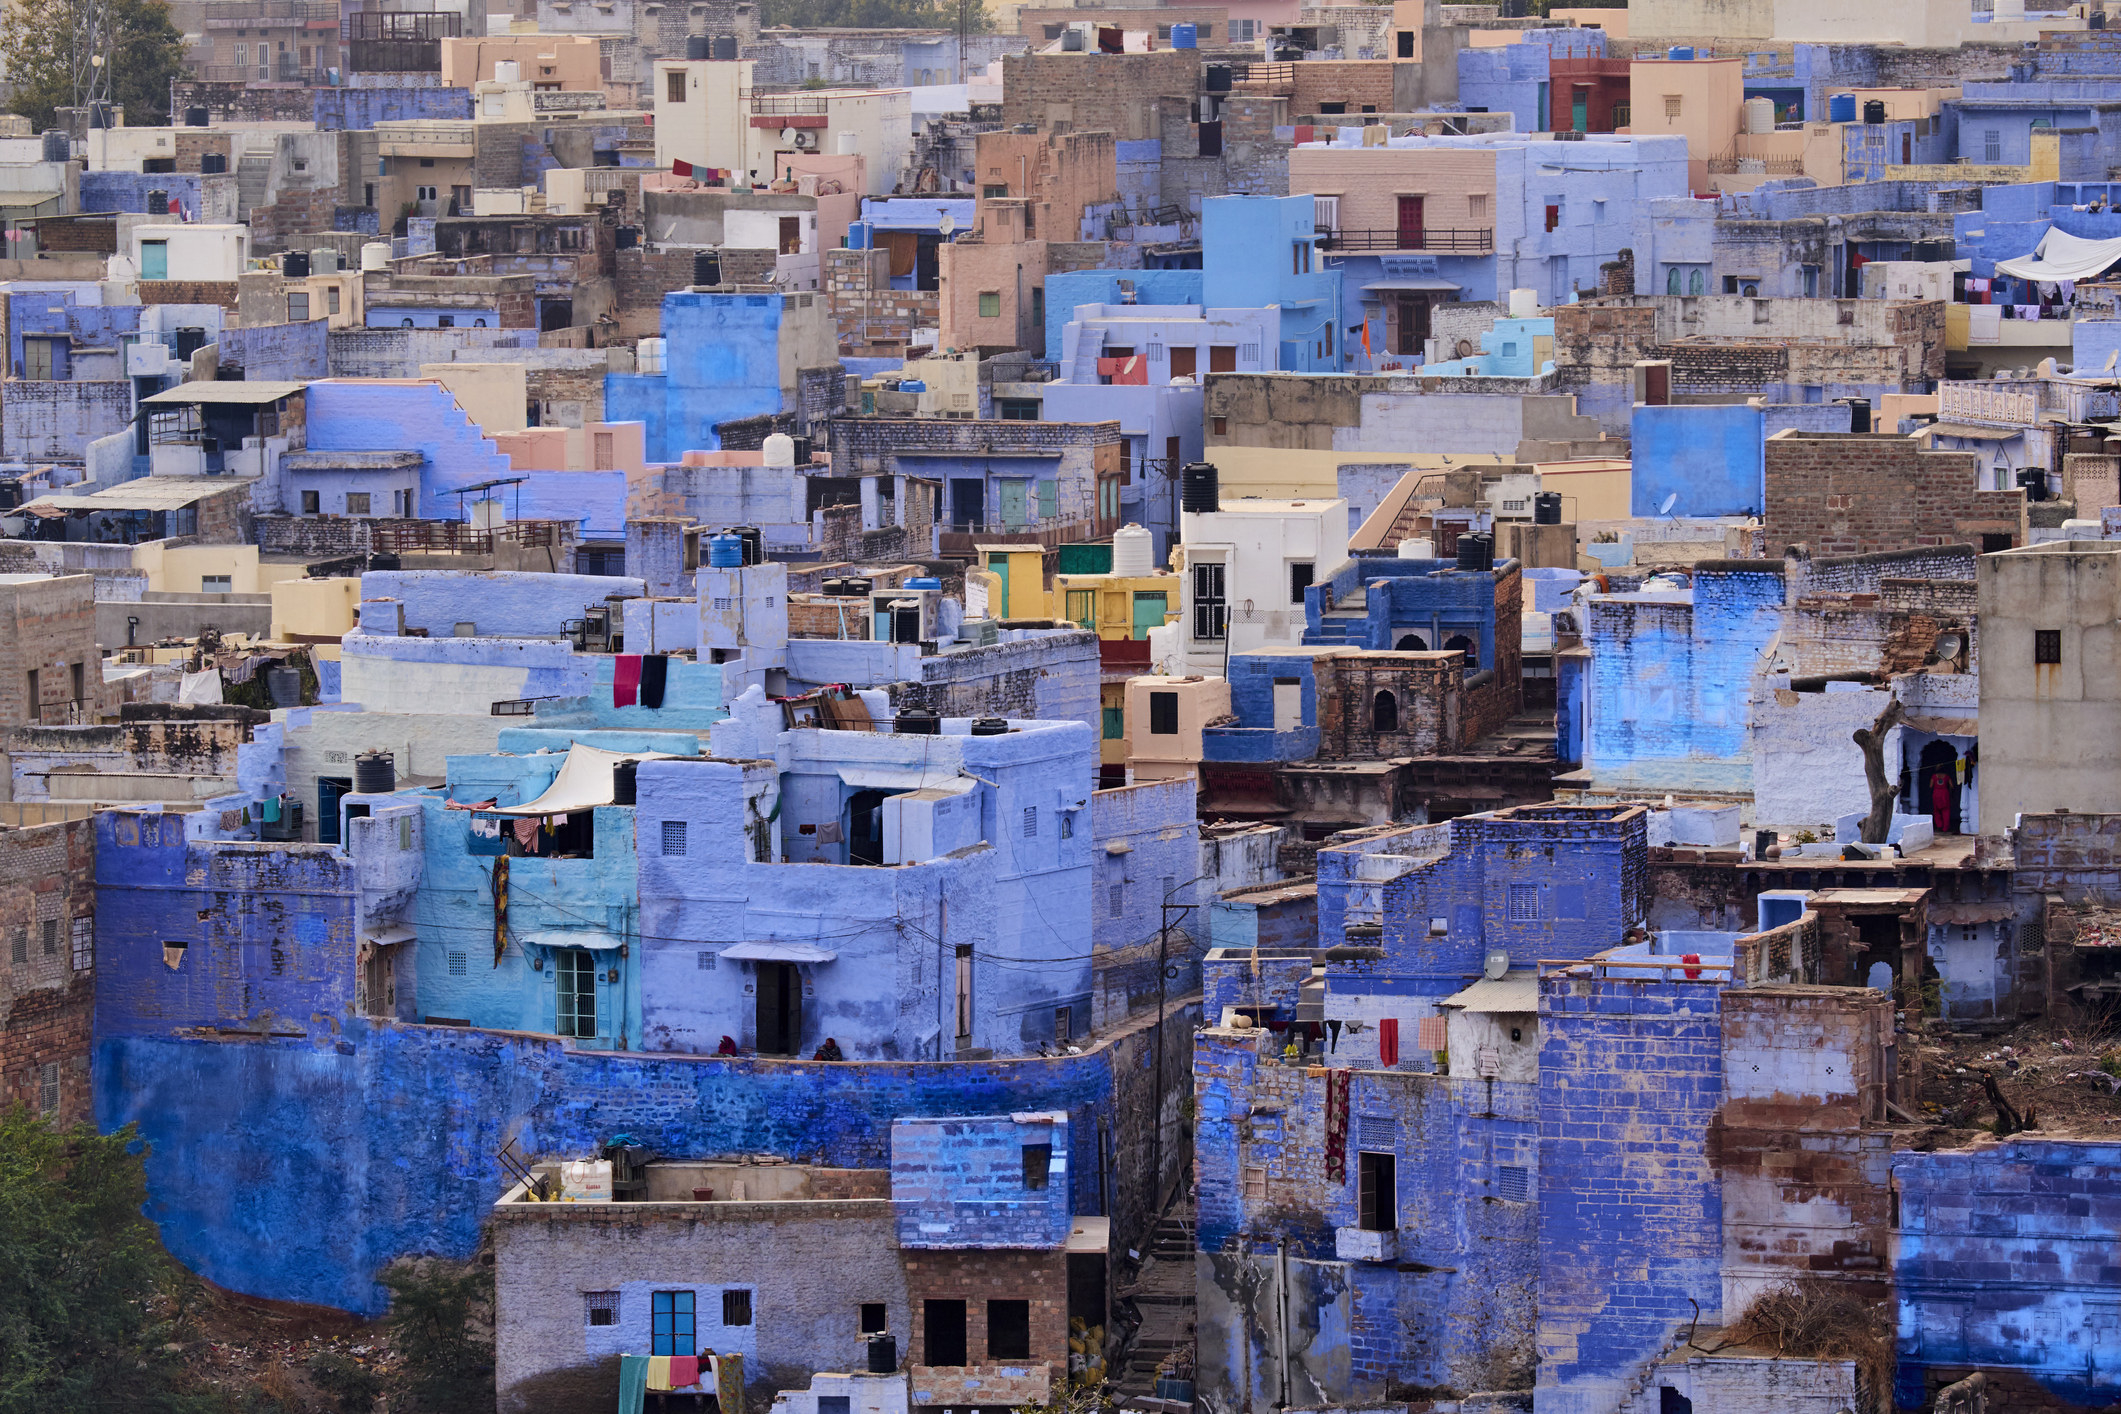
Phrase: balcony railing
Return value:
(1442, 240)
(401, 537)
(789, 105)
(1732, 164)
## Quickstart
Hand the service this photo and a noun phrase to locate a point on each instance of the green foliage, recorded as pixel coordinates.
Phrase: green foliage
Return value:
(877, 14)
(80, 1271)
(45, 54)
(439, 1319)
(353, 1385)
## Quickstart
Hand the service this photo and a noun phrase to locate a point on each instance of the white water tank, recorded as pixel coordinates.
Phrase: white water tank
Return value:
(375, 255)
(1760, 115)
(507, 71)
(1524, 304)
(847, 144)
(1419, 548)
(2008, 12)
(651, 356)
(1133, 551)
(780, 450)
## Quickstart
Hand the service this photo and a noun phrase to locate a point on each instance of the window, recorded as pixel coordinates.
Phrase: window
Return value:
(84, 942)
(1377, 1192)
(331, 299)
(1554, 214)
(1063, 1024)
(216, 584)
(1672, 277)
(736, 1307)
(671, 1323)
(1255, 1182)
(357, 503)
(2047, 645)
(1524, 903)
(674, 836)
(674, 86)
(600, 1308)
(51, 937)
(19, 948)
(964, 993)
(1116, 899)
(1326, 213)
(48, 1092)
(993, 191)
(310, 503)
(459, 965)
(1220, 426)
(1038, 1163)
(1031, 822)
(1512, 1183)
(1300, 573)
(1300, 258)
(1210, 609)
(990, 304)
(708, 960)
(1384, 713)
(577, 1009)
(242, 55)
(1067, 824)
(1992, 145)
(1697, 281)
(297, 306)
(873, 1318)
(1008, 1330)
(943, 1332)
(1671, 106)
(1477, 206)
(1163, 714)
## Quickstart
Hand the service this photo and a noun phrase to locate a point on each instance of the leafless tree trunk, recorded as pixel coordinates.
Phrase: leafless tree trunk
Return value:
(1884, 790)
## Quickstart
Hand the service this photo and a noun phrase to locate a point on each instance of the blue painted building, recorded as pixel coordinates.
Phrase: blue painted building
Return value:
(731, 356)
(65, 322)
(356, 109)
(981, 1181)
(1515, 78)
(1509, 350)
(1069, 290)
(1706, 460)
(1263, 250)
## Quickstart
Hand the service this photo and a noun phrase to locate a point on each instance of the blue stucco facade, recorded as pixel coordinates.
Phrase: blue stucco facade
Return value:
(1069, 290)
(355, 109)
(1262, 250)
(1709, 457)
(55, 313)
(724, 364)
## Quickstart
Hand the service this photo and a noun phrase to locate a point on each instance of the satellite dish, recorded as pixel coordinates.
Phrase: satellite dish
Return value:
(947, 224)
(788, 136)
(1669, 502)
(1496, 964)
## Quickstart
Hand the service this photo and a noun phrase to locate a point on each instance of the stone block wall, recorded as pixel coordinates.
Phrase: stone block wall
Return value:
(975, 1278)
(47, 921)
(1861, 494)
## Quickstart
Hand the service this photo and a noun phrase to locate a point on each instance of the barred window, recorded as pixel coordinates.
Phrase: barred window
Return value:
(1524, 903)
(600, 1308)
(674, 832)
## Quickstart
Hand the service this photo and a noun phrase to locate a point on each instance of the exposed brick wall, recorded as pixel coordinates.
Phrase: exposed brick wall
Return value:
(221, 292)
(977, 1277)
(873, 319)
(1856, 494)
(47, 880)
(1115, 93)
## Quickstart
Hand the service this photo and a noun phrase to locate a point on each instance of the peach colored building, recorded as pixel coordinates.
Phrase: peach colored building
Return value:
(1164, 719)
(1033, 187)
(1412, 190)
(1701, 100)
(568, 63)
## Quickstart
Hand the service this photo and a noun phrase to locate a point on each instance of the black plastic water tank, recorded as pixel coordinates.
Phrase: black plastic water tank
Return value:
(1859, 414)
(707, 267)
(1476, 552)
(802, 450)
(698, 47)
(754, 544)
(919, 721)
(1873, 110)
(990, 726)
(1217, 78)
(834, 587)
(883, 1355)
(295, 265)
(374, 773)
(905, 623)
(213, 164)
(197, 117)
(58, 147)
(1546, 508)
(857, 586)
(625, 781)
(725, 48)
(1199, 488)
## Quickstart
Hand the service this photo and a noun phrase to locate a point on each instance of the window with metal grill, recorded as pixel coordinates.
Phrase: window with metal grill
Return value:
(674, 836)
(2047, 645)
(1524, 903)
(600, 1308)
(1030, 822)
(1512, 1183)
(736, 1307)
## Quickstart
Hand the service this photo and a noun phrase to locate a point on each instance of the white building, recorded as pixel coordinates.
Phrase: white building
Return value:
(1243, 573)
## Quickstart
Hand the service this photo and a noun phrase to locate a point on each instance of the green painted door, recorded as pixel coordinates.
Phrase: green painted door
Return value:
(1000, 566)
(154, 260)
(1149, 611)
(1013, 500)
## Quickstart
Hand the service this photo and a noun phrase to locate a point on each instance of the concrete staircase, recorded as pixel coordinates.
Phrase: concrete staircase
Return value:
(253, 177)
(1341, 626)
(1164, 1296)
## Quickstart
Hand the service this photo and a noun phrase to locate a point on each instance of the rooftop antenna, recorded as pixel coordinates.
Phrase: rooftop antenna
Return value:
(1669, 502)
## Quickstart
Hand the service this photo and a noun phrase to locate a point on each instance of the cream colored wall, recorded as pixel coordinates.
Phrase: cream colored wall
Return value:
(1200, 701)
(1711, 94)
(573, 59)
(314, 607)
(179, 569)
(494, 395)
(1370, 180)
(1591, 490)
(712, 126)
(1613, 22)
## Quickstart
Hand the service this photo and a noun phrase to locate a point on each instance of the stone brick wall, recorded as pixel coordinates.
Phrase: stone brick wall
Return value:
(1428, 704)
(240, 103)
(644, 277)
(873, 319)
(47, 881)
(1116, 93)
(221, 292)
(1046, 677)
(976, 1278)
(1861, 494)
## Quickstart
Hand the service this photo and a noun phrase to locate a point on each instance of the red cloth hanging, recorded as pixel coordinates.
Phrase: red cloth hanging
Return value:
(1388, 1043)
(625, 679)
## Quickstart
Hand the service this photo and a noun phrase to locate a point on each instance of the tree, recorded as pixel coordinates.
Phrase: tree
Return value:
(48, 47)
(1884, 789)
(79, 1271)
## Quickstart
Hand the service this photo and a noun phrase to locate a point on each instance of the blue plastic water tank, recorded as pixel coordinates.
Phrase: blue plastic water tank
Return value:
(1841, 108)
(1185, 36)
(1680, 51)
(913, 385)
(725, 552)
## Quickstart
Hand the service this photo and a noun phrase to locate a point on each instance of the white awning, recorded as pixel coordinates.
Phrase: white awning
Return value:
(1515, 991)
(2062, 256)
(1414, 282)
(584, 782)
(384, 935)
(779, 952)
(571, 938)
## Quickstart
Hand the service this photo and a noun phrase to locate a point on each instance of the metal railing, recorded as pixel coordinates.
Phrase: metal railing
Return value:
(1444, 240)
(401, 537)
(1632, 969)
(1731, 163)
(788, 105)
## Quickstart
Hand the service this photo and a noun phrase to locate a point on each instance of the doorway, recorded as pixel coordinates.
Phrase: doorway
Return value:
(1015, 501)
(968, 502)
(943, 1332)
(1412, 232)
(1413, 324)
(1878, 938)
(329, 789)
(1937, 786)
(865, 827)
(780, 1009)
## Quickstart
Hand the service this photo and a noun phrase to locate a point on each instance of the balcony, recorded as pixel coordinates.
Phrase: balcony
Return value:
(1360, 1244)
(1437, 240)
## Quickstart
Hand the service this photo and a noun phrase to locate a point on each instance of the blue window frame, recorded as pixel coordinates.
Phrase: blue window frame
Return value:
(672, 1325)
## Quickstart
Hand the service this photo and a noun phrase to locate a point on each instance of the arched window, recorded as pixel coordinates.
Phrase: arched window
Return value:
(1671, 280)
(1384, 713)
(1697, 283)
(1459, 643)
(405, 324)
(1411, 643)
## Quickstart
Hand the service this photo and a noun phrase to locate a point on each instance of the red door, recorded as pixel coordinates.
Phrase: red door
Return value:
(1411, 235)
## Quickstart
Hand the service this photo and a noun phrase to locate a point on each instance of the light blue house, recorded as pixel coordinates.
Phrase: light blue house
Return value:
(730, 356)
(1515, 78)
(1509, 350)
(1264, 251)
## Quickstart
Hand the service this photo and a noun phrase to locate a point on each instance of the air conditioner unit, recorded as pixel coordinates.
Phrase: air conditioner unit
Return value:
(805, 140)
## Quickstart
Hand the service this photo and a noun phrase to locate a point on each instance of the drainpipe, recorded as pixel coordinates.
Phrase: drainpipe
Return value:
(1281, 1319)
